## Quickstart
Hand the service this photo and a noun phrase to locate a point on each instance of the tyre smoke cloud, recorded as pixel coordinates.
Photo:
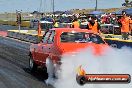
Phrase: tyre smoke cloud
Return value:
(114, 61)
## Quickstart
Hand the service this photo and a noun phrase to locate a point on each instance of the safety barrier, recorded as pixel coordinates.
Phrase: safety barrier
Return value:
(13, 23)
(25, 35)
(118, 43)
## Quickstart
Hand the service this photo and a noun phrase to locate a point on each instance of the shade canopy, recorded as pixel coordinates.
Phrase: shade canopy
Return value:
(58, 12)
(68, 12)
(119, 12)
(128, 11)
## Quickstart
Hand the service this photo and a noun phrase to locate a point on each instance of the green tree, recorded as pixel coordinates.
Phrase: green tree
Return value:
(127, 1)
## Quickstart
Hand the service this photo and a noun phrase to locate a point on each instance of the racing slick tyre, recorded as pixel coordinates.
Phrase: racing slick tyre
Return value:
(81, 80)
(32, 65)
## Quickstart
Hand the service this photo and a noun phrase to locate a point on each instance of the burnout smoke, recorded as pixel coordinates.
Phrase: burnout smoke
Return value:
(114, 61)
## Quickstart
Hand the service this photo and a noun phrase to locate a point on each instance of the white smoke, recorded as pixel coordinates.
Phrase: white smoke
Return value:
(114, 61)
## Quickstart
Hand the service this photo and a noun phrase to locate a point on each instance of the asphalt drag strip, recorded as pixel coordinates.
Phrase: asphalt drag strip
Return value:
(14, 71)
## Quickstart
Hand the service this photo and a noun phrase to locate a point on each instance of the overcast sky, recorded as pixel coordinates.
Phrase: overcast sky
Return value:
(31, 5)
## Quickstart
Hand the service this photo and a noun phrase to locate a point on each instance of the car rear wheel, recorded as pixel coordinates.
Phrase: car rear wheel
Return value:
(32, 65)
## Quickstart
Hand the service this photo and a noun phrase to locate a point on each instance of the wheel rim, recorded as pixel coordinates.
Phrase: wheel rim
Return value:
(31, 63)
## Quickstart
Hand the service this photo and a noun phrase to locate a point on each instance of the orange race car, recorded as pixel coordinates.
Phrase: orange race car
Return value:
(59, 41)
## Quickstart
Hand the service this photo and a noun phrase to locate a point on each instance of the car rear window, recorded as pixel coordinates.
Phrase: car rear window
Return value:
(81, 37)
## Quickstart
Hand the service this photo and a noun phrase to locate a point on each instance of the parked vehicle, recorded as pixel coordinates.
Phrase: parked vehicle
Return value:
(110, 29)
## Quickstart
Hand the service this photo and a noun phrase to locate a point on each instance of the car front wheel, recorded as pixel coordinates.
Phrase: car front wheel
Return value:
(32, 65)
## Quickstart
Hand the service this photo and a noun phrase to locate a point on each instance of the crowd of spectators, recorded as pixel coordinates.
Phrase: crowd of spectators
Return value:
(65, 20)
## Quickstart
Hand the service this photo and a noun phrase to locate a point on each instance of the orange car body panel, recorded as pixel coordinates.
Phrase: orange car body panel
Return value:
(56, 49)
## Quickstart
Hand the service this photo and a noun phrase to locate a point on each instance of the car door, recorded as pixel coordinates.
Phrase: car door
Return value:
(42, 53)
(51, 46)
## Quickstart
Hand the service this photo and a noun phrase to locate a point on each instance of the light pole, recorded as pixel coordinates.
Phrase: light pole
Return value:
(96, 5)
(53, 8)
(40, 6)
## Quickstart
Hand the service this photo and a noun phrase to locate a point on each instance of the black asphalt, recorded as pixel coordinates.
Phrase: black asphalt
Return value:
(14, 67)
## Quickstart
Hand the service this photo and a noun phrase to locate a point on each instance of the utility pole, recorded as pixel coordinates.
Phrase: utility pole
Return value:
(96, 5)
(53, 8)
(40, 6)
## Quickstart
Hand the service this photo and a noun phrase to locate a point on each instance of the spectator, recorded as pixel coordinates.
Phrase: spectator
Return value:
(125, 24)
(93, 25)
(75, 23)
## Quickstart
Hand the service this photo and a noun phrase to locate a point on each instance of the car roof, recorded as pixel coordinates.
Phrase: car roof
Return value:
(71, 30)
